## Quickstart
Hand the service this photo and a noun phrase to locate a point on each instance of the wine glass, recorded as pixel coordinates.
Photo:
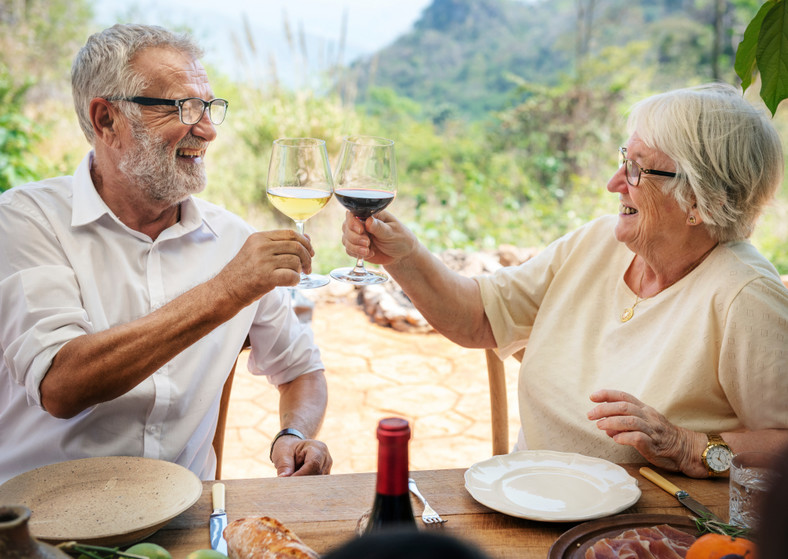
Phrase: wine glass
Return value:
(365, 183)
(299, 185)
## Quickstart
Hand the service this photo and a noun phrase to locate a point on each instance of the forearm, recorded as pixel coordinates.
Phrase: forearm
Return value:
(761, 440)
(450, 302)
(302, 403)
(99, 367)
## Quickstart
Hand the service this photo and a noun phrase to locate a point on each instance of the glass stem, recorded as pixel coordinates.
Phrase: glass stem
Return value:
(300, 229)
(359, 269)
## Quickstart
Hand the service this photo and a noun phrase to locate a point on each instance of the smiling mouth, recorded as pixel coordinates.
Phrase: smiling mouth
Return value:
(626, 210)
(189, 153)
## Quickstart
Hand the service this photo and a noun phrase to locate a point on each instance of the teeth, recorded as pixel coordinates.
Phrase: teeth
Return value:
(188, 153)
(626, 210)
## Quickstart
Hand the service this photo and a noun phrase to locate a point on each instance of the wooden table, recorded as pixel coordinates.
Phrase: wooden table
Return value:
(324, 510)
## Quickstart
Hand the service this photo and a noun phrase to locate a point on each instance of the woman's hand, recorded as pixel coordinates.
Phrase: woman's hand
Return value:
(381, 239)
(629, 421)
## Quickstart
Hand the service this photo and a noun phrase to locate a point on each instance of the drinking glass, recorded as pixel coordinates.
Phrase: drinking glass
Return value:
(365, 183)
(751, 476)
(300, 185)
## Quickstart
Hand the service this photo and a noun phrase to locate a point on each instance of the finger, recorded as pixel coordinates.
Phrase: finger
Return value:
(624, 423)
(285, 463)
(612, 409)
(356, 245)
(293, 256)
(309, 462)
(285, 277)
(285, 240)
(353, 224)
(605, 395)
(358, 237)
(635, 439)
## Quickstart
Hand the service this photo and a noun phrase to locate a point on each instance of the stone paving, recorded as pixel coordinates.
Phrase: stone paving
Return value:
(375, 372)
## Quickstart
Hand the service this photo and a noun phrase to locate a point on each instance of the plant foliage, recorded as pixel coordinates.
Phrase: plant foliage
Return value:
(764, 48)
(507, 115)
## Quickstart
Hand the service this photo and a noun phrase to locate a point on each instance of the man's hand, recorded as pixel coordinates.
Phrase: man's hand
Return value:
(267, 260)
(295, 457)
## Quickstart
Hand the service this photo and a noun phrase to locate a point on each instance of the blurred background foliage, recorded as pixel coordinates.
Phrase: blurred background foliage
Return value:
(507, 115)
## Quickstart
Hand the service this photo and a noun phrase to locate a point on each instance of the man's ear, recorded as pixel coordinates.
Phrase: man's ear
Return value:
(105, 119)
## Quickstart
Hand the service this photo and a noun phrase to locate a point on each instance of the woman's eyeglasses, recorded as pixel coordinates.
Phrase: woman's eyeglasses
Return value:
(633, 170)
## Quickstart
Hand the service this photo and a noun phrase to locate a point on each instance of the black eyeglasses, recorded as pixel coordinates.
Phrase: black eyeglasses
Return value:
(634, 170)
(190, 110)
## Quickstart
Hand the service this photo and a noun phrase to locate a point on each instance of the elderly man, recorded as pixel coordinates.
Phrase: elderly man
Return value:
(126, 300)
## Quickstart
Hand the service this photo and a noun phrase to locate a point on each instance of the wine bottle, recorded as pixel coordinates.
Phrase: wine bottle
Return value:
(392, 508)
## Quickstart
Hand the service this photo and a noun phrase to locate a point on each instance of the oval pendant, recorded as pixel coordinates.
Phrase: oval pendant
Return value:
(628, 313)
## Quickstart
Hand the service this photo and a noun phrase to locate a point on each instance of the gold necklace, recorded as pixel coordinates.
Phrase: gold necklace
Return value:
(629, 312)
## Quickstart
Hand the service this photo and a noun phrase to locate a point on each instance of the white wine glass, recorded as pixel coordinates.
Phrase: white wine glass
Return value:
(299, 186)
(365, 183)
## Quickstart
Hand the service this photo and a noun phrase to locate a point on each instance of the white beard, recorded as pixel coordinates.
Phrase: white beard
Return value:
(149, 166)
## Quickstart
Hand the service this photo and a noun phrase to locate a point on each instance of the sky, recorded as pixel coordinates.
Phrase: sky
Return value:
(219, 27)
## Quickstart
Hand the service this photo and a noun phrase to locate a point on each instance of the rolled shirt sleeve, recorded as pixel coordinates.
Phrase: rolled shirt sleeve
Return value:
(69, 267)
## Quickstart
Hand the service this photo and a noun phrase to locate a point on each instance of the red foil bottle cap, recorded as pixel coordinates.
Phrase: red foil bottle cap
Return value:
(393, 437)
(393, 428)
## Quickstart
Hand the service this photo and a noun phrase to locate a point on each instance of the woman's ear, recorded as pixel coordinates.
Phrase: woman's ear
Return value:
(104, 118)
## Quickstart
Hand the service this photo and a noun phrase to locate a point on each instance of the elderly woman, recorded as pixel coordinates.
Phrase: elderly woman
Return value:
(664, 316)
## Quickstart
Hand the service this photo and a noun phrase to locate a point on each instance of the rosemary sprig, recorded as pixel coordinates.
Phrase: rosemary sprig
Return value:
(708, 525)
(97, 551)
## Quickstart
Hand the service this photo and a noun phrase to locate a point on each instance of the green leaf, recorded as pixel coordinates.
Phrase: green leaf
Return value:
(772, 55)
(745, 53)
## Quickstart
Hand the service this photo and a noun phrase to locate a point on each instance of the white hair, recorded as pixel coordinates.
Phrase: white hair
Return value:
(102, 68)
(727, 154)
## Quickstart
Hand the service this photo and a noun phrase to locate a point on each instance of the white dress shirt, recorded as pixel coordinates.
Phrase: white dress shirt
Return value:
(69, 267)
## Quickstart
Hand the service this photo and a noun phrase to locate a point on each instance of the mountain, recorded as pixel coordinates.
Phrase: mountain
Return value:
(464, 53)
(467, 56)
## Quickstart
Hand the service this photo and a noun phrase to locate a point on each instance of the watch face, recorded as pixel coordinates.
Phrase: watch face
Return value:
(718, 458)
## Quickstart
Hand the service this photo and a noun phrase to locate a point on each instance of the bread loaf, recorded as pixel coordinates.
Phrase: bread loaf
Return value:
(264, 537)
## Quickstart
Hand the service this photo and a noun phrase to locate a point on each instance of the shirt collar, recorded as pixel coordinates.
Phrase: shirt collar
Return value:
(88, 206)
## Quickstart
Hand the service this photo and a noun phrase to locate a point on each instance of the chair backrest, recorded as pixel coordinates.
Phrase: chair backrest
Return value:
(218, 437)
(499, 405)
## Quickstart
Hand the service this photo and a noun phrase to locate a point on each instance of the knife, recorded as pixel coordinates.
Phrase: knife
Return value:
(218, 519)
(683, 497)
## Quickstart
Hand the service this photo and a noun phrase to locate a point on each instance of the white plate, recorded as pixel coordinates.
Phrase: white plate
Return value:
(551, 486)
(111, 500)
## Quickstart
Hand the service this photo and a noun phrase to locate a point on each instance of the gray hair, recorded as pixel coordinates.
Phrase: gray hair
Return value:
(102, 68)
(727, 153)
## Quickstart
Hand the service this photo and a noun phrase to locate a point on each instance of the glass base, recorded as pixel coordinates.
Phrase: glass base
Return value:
(358, 276)
(312, 281)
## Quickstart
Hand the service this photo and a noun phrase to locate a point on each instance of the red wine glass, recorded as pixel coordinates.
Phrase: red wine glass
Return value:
(365, 182)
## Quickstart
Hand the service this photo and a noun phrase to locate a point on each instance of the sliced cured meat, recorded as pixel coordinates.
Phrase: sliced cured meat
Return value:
(656, 542)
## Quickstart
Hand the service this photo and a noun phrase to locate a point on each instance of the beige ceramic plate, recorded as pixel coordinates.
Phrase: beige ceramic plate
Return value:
(551, 486)
(112, 500)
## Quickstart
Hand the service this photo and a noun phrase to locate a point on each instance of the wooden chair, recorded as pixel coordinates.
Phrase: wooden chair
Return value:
(218, 436)
(499, 405)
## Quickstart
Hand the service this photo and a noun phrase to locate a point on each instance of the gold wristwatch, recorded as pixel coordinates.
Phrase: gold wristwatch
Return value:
(717, 455)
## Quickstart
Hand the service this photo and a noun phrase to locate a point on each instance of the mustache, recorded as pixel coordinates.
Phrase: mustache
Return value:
(192, 142)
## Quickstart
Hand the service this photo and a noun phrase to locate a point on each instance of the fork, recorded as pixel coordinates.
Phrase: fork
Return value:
(429, 516)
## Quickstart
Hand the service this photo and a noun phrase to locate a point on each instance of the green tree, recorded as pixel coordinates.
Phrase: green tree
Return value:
(17, 135)
(38, 39)
(764, 48)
